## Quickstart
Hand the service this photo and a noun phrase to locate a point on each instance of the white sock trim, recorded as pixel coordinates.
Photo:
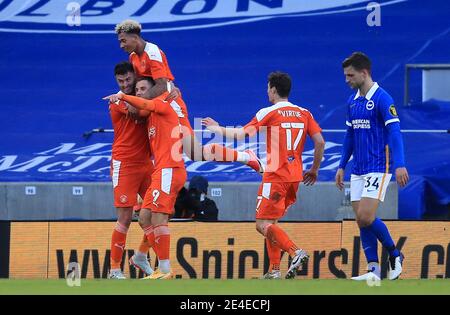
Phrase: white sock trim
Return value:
(243, 157)
(164, 265)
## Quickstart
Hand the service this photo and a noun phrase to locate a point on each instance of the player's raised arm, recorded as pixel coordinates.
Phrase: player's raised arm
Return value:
(230, 133)
(138, 102)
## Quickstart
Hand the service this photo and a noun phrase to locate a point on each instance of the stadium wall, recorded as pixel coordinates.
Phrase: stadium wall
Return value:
(222, 250)
(236, 202)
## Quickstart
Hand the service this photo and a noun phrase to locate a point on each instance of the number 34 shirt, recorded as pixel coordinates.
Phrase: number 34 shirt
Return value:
(368, 117)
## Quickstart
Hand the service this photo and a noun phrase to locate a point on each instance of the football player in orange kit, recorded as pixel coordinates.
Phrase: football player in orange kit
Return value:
(169, 175)
(130, 171)
(287, 126)
(150, 61)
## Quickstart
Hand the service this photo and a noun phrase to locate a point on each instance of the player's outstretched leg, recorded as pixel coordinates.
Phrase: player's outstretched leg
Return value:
(219, 153)
(216, 152)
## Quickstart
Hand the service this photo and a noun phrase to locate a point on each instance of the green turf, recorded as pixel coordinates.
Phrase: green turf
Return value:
(224, 287)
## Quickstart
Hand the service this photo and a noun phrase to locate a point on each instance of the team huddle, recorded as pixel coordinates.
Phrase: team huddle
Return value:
(152, 131)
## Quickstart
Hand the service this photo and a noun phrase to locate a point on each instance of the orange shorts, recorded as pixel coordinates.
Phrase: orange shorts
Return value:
(163, 191)
(129, 180)
(274, 199)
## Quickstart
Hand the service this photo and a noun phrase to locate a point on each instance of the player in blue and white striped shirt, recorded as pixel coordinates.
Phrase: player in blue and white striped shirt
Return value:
(373, 137)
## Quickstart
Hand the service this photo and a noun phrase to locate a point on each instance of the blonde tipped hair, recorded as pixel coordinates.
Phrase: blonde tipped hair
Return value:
(129, 27)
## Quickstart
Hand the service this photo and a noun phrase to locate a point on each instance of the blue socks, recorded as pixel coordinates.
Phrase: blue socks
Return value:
(370, 244)
(380, 230)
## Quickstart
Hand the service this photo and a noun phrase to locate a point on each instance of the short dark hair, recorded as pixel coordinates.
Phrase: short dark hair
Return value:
(149, 79)
(281, 81)
(123, 68)
(359, 61)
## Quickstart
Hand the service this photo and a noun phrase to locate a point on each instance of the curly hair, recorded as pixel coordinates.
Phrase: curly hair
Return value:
(129, 27)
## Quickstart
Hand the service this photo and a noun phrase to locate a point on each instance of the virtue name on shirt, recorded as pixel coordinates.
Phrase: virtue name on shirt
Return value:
(289, 113)
(361, 123)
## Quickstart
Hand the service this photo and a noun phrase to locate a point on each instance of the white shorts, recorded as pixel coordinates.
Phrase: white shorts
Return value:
(372, 185)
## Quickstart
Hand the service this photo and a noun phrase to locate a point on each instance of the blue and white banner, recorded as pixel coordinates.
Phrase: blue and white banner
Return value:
(100, 16)
(91, 162)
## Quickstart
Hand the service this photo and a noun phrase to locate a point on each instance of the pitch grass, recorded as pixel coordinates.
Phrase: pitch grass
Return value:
(224, 287)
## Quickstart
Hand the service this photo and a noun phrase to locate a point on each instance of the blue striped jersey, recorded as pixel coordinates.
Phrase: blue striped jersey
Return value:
(368, 117)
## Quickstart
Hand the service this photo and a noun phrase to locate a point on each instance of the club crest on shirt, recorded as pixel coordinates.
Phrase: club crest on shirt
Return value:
(123, 198)
(275, 196)
(370, 105)
(392, 110)
(151, 132)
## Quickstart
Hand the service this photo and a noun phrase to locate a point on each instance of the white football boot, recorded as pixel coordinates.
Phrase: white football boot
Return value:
(141, 263)
(395, 267)
(373, 273)
(116, 274)
(300, 257)
(276, 274)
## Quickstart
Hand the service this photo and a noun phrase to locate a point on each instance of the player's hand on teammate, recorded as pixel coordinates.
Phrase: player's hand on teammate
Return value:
(401, 174)
(113, 98)
(310, 177)
(174, 93)
(339, 178)
(133, 113)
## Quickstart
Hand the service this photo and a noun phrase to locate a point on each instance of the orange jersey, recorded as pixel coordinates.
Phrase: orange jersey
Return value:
(163, 131)
(287, 126)
(130, 137)
(151, 63)
(181, 109)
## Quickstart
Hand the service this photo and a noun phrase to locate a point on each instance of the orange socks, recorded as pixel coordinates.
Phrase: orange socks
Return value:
(150, 236)
(281, 239)
(144, 246)
(274, 253)
(118, 240)
(162, 241)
